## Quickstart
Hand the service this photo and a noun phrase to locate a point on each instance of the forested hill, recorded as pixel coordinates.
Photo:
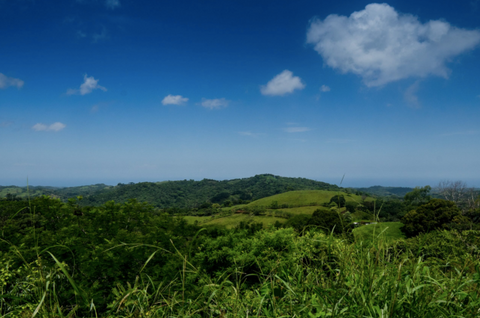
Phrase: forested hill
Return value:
(56, 192)
(386, 191)
(190, 193)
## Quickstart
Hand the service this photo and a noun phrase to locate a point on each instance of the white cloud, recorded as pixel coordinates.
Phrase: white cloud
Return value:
(6, 81)
(215, 103)
(325, 88)
(382, 45)
(89, 84)
(174, 100)
(296, 129)
(283, 83)
(53, 127)
(112, 4)
(410, 95)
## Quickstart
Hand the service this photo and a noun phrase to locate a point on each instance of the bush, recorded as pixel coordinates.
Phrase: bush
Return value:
(436, 214)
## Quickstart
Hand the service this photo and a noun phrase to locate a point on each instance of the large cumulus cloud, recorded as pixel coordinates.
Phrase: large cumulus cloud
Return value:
(382, 45)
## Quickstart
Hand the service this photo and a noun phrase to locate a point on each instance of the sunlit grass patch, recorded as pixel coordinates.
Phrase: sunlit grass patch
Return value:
(386, 231)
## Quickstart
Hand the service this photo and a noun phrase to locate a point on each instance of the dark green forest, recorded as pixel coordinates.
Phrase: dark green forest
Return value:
(178, 194)
(133, 259)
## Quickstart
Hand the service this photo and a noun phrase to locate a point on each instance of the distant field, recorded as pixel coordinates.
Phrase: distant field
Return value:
(234, 220)
(300, 210)
(200, 219)
(388, 231)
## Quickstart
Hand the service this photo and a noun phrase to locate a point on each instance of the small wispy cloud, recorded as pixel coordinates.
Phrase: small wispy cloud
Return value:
(296, 129)
(217, 103)
(112, 4)
(410, 95)
(89, 84)
(340, 140)
(297, 139)
(249, 134)
(5, 124)
(53, 127)
(281, 84)
(6, 81)
(324, 89)
(174, 100)
(81, 34)
(467, 132)
(100, 36)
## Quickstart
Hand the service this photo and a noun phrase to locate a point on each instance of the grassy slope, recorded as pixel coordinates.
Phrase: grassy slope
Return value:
(303, 198)
(304, 202)
(389, 231)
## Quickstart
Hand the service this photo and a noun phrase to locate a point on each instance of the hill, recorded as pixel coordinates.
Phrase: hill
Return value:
(178, 194)
(386, 191)
(191, 194)
(63, 193)
(276, 208)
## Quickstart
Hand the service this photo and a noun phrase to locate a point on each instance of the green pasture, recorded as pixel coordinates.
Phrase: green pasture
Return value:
(386, 231)
(304, 198)
(200, 219)
(235, 219)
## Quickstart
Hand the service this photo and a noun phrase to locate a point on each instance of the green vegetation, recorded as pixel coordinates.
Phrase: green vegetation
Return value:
(303, 198)
(66, 259)
(64, 194)
(398, 192)
(386, 232)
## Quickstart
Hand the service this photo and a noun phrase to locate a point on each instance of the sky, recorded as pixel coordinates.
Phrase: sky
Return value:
(109, 91)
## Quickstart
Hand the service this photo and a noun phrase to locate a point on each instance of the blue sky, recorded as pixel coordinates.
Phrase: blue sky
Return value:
(108, 91)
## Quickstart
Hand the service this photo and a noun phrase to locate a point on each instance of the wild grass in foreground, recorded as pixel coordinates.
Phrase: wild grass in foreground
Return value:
(57, 260)
(282, 275)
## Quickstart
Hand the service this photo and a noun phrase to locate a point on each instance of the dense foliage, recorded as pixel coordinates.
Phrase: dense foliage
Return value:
(179, 196)
(192, 194)
(133, 260)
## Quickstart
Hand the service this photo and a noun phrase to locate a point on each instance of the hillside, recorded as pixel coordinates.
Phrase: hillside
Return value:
(63, 193)
(303, 198)
(386, 191)
(178, 194)
(276, 208)
(191, 194)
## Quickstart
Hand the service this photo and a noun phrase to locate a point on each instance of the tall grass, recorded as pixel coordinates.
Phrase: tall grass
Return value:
(347, 281)
(309, 275)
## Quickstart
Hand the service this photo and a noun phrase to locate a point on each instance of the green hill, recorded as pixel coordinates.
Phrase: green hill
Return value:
(286, 205)
(304, 198)
(56, 192)
(191, 194)
(386, 191)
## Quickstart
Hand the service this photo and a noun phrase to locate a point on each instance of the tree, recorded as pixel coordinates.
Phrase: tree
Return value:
(329, 220)
(339, 200)
(436, 214)
(458, 192)
(419, 196)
